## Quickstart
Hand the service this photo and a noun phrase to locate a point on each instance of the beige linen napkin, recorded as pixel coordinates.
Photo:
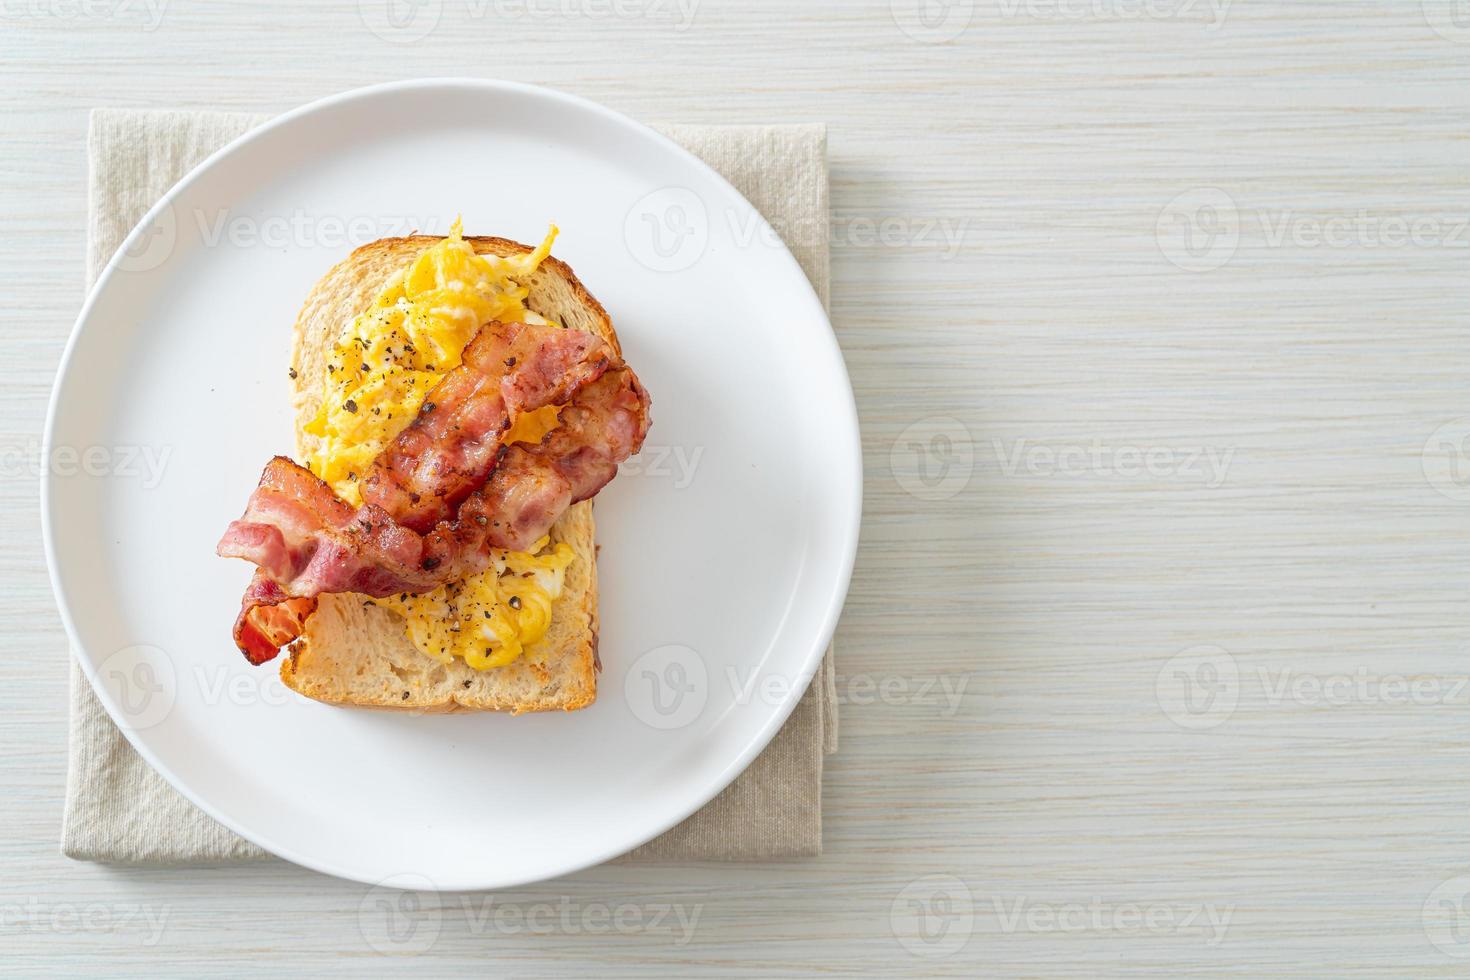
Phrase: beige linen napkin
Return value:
(119, 810)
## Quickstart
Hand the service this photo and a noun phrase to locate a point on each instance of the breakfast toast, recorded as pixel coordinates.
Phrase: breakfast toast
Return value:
(355, 652)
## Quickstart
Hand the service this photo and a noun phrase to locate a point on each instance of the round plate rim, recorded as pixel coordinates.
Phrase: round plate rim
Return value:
(847, 419)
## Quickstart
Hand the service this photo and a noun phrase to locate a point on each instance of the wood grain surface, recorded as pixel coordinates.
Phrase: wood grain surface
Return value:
(1155, 660)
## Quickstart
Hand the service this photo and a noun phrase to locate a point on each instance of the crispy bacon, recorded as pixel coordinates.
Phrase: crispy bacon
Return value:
(449, 449)
(269, 619)
(533, 485)
(306, 540)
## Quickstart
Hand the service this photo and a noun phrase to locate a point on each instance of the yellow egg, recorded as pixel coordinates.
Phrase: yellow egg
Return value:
(383, 365)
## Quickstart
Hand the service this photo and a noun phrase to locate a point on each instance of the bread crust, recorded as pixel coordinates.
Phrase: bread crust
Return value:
(356, 653)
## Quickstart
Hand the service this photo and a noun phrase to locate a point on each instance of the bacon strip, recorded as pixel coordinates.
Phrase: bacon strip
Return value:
(269, 619)
(532, 486)
(307, 541)
(451, 447)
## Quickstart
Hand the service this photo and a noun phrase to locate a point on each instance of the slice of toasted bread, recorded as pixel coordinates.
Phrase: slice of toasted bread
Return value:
(358, 654)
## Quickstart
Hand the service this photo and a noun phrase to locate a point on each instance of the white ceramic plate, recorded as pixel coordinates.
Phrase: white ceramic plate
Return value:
(726, 546)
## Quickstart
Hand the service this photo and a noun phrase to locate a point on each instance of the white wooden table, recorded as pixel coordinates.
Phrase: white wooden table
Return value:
(1159, 326)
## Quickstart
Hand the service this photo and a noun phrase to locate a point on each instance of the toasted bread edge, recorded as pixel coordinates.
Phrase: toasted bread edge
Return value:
(346, 637)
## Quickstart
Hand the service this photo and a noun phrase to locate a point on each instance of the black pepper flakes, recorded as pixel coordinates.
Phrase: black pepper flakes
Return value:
(350, 405)
(515, 602)
(510, 362)
(291, 372)
(427, 407)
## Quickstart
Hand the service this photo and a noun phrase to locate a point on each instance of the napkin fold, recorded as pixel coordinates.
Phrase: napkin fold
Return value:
(119, 810)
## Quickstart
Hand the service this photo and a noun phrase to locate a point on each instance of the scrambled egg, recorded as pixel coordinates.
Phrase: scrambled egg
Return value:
(379, 371)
